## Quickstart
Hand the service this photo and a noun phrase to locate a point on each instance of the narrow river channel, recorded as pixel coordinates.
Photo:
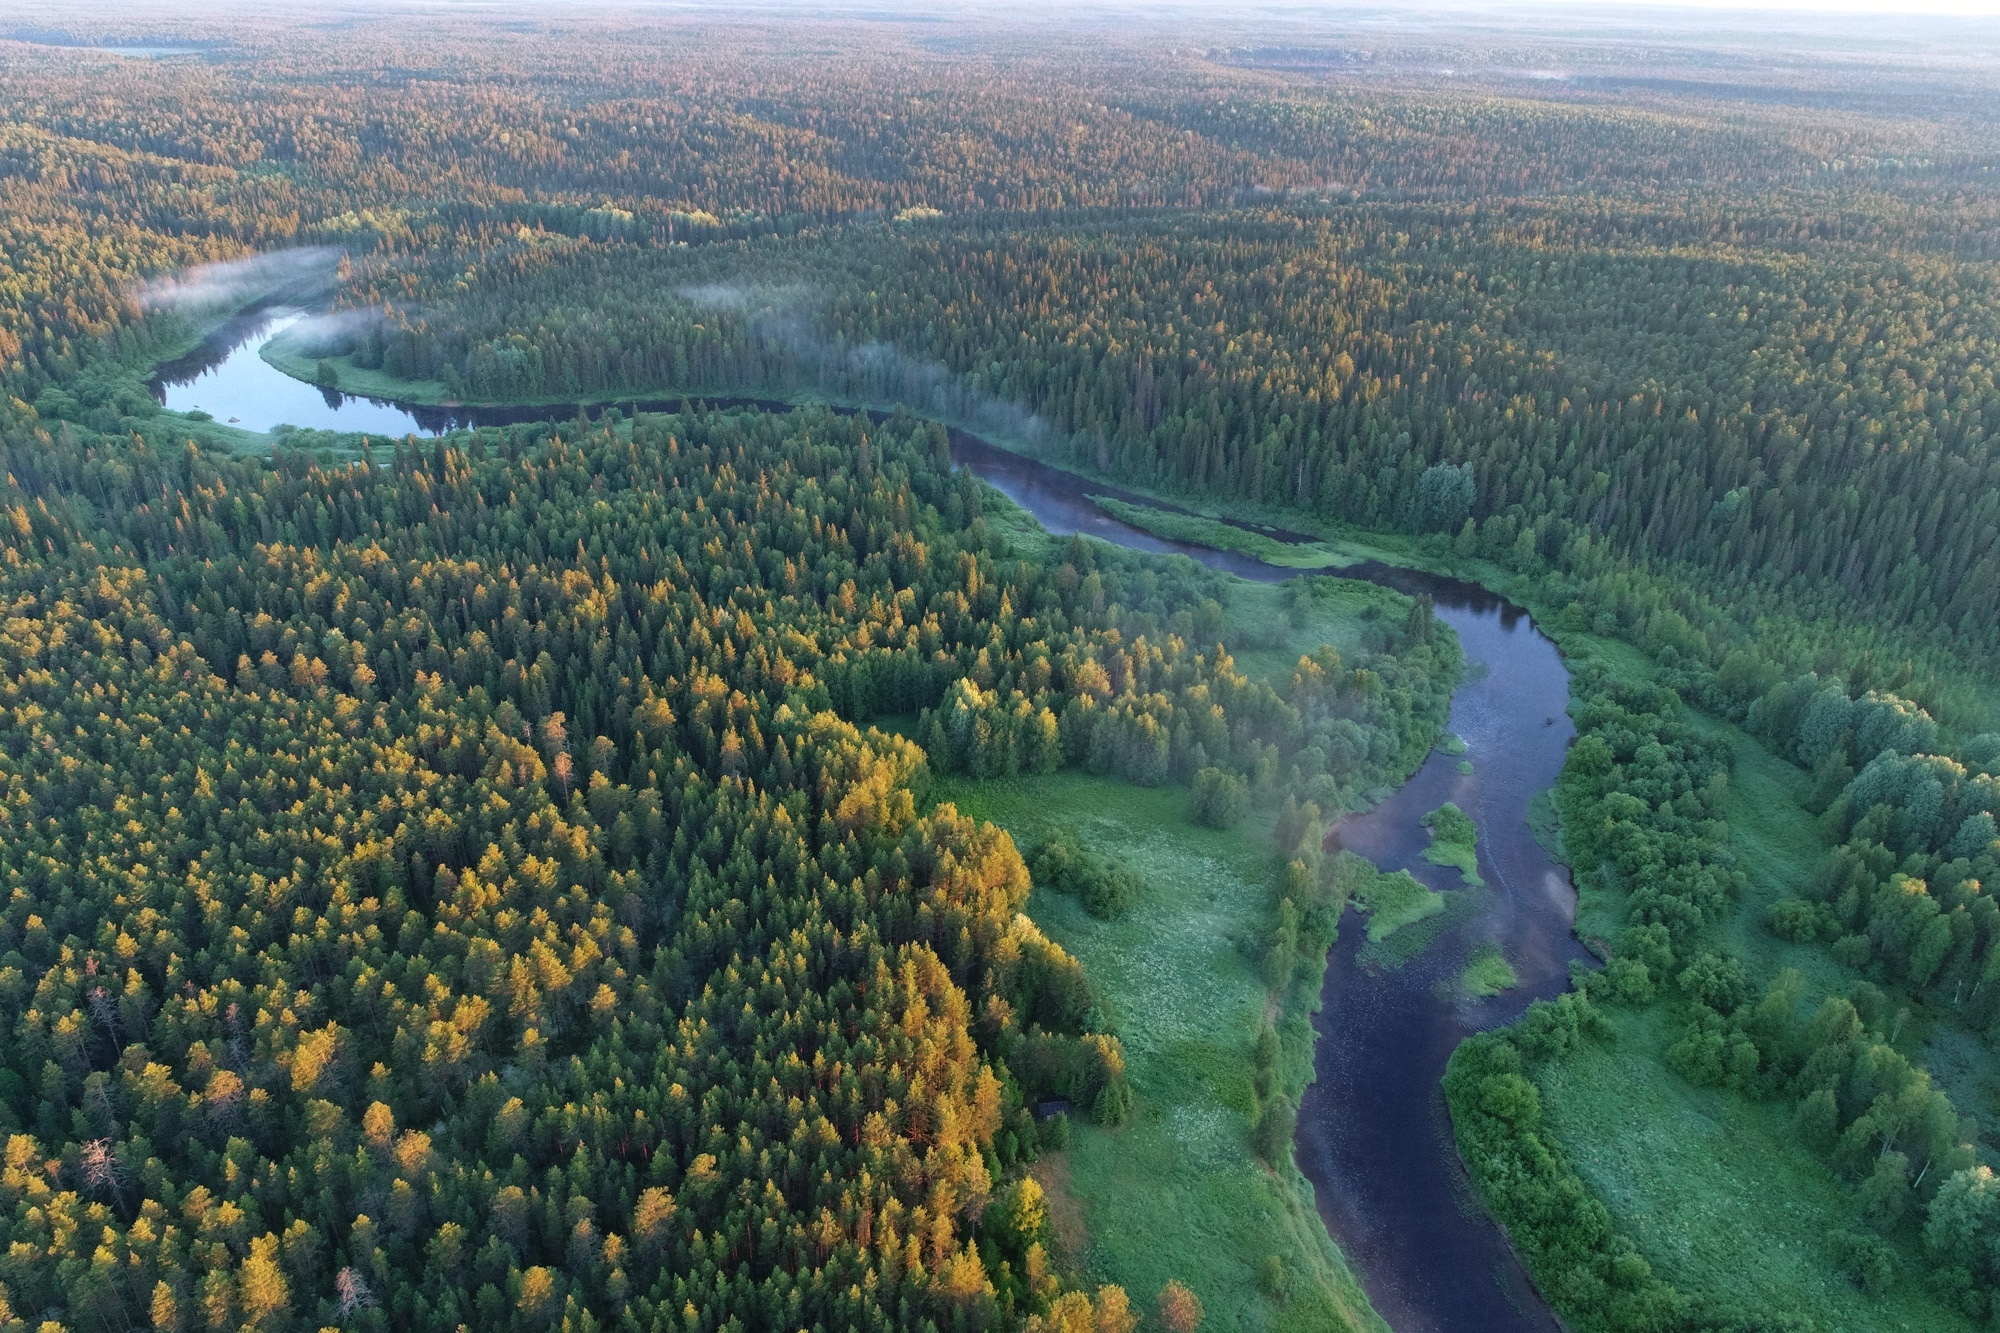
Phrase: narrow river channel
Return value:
(1373, 1137)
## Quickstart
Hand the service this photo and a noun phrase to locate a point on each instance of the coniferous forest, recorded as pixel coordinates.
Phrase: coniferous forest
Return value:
(659, 864)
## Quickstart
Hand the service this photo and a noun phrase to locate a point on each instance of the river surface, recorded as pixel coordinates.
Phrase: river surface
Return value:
(1374, 1137)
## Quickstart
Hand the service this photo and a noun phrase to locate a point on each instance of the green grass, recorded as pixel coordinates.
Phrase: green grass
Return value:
(1714, 1189)
(284, 352)
(1177, 1192)
(1778, 846)
(217, 435)
(1712, 1186)
(1006, 519)
(1347, 615)
(1454, 843)
(1395, 901)
(1213, 532)
(1487, 973)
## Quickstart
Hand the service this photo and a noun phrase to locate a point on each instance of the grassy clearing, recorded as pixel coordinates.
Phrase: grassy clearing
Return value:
(1778, 846)
(1715, 1190)
(1268, 628)
(1487, 973)
(1454, 843)
(1213, 532)
(1177, 1192)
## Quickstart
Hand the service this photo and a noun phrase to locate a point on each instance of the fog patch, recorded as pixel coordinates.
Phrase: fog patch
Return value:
(740, 296)
(330, 332)
(232, 282)
(785, 316)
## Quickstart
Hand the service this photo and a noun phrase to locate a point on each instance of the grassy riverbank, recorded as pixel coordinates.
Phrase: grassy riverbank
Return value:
(1221, 536)
(218, 434)
(285, 353)
(1714, 1187)
(1178, 1192)
(1710, 1185)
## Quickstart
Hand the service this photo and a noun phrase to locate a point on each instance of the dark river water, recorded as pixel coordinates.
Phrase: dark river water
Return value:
(1374, 1137)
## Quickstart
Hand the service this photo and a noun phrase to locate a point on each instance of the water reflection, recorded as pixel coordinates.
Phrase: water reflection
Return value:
(227, 378)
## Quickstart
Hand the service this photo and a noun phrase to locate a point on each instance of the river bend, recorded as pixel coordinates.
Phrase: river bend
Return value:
(1374, 1137)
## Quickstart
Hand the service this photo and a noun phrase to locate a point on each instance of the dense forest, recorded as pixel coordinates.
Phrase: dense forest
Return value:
(461, 886)
(496, 880)
(1533, 380)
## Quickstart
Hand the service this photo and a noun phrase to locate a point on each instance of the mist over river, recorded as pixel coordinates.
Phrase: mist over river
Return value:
(1373, 1137)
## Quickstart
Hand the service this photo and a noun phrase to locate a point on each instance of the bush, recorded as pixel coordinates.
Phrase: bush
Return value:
(1107, 888)
(1867, 1261)
(1180, 1309)
(1794, 919)
(1272, 1134)
(1112, 891)
(1220, 798)
(1630, 981)
(1274, 1280)
(1717, 981)
(1817, 1120)
(1450, 824)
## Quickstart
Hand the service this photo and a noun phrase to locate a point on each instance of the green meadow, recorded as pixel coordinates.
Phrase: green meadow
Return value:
(1177, 1192)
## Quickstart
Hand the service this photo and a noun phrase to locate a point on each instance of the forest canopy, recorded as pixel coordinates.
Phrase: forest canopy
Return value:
(496, 880)
(460, 885)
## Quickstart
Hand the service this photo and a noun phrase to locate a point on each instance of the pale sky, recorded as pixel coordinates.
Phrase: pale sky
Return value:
(1962, 8)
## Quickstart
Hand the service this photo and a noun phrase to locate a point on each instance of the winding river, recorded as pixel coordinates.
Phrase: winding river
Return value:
(1374, 1137)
